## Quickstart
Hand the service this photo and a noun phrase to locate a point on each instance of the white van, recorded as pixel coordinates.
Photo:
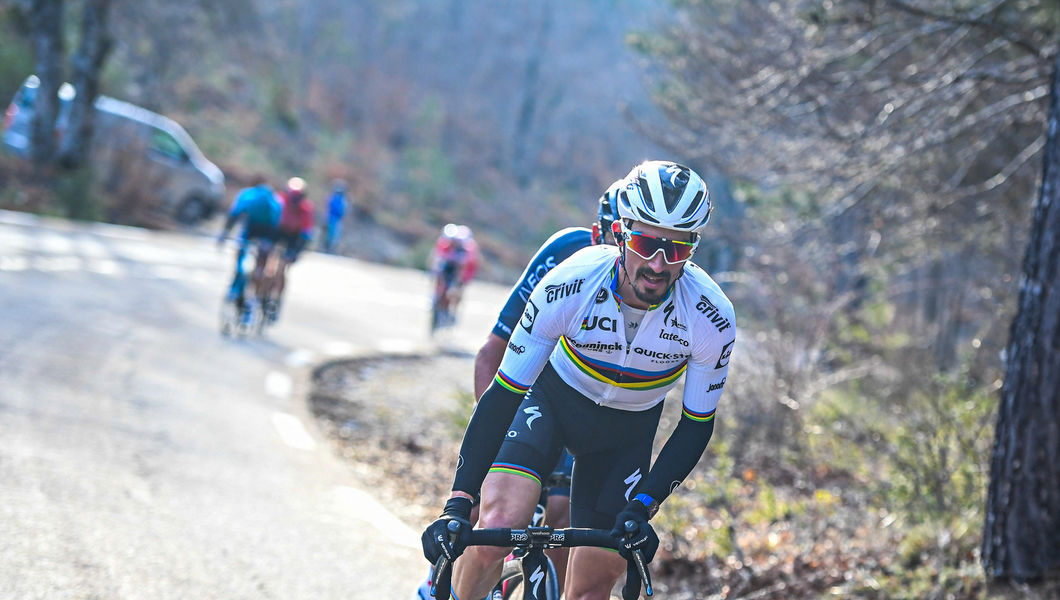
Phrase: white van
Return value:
(131, 142)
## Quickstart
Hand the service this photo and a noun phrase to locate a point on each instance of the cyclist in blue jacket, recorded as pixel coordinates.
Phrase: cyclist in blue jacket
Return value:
(258, 209)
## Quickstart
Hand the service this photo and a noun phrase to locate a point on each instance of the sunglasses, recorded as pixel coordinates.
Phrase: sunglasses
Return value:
(646, 246)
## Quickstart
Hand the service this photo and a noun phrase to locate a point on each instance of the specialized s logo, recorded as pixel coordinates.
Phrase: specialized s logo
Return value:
(632, 480)
(669, 317)
(562, 290)
(674, 171)
(723, 359)
(601, 296)
(529, 314)
(536, 578)
(516, 349)
(709, 309)
(535, 414)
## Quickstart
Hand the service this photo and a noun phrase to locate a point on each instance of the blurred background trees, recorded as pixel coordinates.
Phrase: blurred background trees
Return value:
(875, 163)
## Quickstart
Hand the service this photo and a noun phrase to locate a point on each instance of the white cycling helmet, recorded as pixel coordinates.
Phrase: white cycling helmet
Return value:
(667, 195)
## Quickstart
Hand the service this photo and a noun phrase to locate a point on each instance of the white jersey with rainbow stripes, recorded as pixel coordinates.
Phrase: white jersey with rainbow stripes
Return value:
(574, 319)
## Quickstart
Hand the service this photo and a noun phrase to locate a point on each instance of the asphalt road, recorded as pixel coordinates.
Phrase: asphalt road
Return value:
(142, 455)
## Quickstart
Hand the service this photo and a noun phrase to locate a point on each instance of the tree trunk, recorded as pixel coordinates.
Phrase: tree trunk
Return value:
(46, 23)
(522, 156)
(96, 44)
(1021, 537)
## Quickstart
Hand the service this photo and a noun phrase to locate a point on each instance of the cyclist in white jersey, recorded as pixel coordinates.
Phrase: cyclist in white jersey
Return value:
(603, 338)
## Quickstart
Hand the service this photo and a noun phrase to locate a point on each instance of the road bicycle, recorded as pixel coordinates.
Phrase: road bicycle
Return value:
(534, 572)
(240, 315)
(441, 302)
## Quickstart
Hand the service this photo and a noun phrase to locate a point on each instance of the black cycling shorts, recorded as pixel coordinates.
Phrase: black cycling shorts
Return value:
(292, 244)
(261, 232)
(611, 447)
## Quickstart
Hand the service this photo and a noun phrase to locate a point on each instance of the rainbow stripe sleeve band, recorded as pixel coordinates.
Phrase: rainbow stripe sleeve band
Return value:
(698, 416)
(515, 470)
(511, 384)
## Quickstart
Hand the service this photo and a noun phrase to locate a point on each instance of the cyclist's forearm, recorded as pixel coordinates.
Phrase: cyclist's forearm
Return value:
(677, 458)
(489, 424)
(486, 362)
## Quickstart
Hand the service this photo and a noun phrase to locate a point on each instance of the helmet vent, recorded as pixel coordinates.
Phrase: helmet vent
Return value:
(645, 192)
(694, 206)
(646, 217)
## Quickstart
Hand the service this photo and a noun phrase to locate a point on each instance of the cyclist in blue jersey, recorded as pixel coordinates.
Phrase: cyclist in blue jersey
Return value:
(602, 339)
(555, 250)
(258, 209)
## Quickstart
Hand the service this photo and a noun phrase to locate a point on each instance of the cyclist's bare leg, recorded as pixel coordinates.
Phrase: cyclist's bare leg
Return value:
(441, 294)
(592, 573)
(507, 501)
(453, 297)
(557, 515)
(258, 279)
(281, 278)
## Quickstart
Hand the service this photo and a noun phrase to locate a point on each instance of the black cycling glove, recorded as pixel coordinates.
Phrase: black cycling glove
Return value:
(436, 538)
(642, 537)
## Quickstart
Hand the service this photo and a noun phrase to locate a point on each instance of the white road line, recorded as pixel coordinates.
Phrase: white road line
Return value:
(92, 248)
(169, 272)
(375, 513)
(300, 358)
(13, 263)
(278, 384)
(292, 432)
(338, 348)
(50, 264)
(397, 346)
(105, 267)
(54, 243)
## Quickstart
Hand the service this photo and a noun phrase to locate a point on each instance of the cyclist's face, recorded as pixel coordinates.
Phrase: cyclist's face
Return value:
(650, 279)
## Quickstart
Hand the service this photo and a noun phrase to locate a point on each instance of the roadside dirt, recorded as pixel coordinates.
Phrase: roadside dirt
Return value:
(397, 421)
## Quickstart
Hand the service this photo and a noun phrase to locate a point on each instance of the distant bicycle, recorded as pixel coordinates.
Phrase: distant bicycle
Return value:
(442, 314)
(241, 315)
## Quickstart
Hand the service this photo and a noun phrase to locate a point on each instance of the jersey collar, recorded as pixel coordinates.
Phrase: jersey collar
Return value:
(618, 297)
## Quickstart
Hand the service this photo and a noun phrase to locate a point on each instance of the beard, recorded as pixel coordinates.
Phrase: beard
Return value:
(650, 297)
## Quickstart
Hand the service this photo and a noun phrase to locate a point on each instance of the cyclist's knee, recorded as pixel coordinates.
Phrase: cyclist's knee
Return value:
(482, 558)
(508, 500)
(504, 514)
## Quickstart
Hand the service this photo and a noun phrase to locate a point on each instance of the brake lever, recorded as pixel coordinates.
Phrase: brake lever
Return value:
(439, 568)
(444, 563)
(638, 560)
(642, 567)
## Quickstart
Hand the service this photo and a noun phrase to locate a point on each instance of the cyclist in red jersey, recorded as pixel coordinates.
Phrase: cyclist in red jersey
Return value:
(295, 229)
(454, 262)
